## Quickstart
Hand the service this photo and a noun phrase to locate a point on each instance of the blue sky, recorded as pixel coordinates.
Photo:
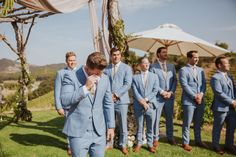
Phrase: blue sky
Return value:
(52, 37)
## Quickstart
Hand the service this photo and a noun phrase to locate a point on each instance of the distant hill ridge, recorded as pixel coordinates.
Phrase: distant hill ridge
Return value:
(10, 66)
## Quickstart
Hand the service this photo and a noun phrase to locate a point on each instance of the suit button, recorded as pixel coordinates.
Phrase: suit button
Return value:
(90, 117)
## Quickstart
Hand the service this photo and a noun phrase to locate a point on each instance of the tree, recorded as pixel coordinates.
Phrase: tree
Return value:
(20, 18)
(222, 45)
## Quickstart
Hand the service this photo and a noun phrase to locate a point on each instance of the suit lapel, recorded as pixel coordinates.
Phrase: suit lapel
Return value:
(140, 80)
(82, 79)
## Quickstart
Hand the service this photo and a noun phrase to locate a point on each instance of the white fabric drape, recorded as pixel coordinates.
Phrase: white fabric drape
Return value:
(55, 6)
(66, 6)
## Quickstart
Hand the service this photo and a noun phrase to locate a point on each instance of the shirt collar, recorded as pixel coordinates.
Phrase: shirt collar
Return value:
(117, 65)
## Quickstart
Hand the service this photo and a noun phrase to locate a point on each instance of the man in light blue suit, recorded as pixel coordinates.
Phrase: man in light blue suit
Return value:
(223, 106)
(90, 120)
(145, 87)
(61, 90)
(120, 76)
(166, 94)
(193, 83)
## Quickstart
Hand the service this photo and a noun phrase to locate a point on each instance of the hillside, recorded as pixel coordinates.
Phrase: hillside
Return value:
(10, 70)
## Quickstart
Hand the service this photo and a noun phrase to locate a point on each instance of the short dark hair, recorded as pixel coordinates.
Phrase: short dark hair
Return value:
(218, 61)
(142, 58)
(190, 53)
(96, 60)
(159, 50)
(114, 49)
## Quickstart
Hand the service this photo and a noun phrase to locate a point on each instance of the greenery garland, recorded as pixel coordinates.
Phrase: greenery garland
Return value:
(7, 6)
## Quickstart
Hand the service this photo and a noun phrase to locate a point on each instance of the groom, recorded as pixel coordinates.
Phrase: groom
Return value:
(90, 121)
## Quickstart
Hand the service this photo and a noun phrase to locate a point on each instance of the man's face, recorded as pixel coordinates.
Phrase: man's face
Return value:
(224, 66)
(194, 60)
(116, 57)
(144, 65)
(163, 55)
(71, 62)
(95, 71)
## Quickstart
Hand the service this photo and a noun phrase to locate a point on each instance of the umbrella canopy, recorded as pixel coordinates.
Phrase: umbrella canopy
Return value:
(177, 41)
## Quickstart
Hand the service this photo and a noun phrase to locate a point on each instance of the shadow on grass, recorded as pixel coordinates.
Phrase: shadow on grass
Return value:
(5, 122)
(37, 139)
(53, 126)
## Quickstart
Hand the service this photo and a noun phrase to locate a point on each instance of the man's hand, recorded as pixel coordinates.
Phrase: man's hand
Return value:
(198, 98)
(234, 103)
(61, 112)
(110, 134)
(91, 80)
(114, 98)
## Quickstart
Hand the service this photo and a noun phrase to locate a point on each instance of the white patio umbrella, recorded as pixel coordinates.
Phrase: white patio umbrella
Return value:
(177, 41)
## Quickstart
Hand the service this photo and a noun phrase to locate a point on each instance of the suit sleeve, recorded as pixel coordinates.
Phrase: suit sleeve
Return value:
(184, 84)
(174, 84)
(57, 90)
(108, 105)
(203, 88)
(155, 89)
(126, 84)
(137, 95)
(218, 91)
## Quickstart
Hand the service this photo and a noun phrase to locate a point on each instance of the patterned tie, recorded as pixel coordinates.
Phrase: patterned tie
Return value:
(164, 69)
(195, 72)
(114, 71)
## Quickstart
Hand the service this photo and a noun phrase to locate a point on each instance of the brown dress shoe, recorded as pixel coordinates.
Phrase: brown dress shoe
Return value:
(201, 144)
(137, 148)
(155, 143)
(172, 142)
(124, 150)
(218, 150)
(187, 147)
(152, 149)
(69, 151)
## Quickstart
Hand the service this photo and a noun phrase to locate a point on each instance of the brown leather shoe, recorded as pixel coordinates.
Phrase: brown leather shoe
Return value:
(218, 150)
(155, 143)
(69, 151)
(152, 149)
(172, 142)
(124, 150)
(201, 144)
(187, 147)
(231, 150)
(137, 148)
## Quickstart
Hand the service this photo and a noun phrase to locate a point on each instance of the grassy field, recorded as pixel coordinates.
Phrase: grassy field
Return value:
(43, 138)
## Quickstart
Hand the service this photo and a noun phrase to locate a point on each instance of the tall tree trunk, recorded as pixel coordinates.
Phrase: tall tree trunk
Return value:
(21, 111)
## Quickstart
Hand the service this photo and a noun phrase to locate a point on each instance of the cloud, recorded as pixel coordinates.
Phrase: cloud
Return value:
(134, 5)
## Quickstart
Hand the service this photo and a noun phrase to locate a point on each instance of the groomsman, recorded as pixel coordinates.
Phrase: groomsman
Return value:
(193, 83)
(120, 76)
(223, 106)
(145, 87)
(166, 95)
(61, 90)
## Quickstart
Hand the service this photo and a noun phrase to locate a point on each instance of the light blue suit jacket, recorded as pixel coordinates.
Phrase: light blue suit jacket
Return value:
(85, 107)
(60, 89)
(191, 85)
(224, 92)
(167, 84)
(121, 83)
(149, 92)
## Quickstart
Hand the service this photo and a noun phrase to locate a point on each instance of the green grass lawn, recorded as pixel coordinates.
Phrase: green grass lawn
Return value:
(43, 138)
